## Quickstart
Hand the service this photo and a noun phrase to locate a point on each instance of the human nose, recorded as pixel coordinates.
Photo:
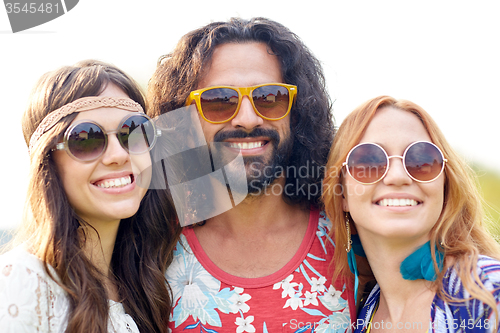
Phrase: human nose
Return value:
(246, 116)
(115, 153)
(396, 175)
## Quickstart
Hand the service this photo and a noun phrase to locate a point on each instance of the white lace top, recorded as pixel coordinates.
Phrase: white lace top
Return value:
(30, 301)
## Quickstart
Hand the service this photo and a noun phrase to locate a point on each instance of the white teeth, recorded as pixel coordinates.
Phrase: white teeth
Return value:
(256, 144)
(126, 180)
(118, 182)
(246, 145)
(397, 202)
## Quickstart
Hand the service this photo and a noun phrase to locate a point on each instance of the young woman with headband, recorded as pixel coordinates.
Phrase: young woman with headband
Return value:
(397, 193)
(94, 242)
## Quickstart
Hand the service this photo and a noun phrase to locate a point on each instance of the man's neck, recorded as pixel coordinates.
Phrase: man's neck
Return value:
(265, 211)
(262, 232)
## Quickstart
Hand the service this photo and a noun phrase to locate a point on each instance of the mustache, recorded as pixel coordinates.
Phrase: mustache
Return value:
(240, 134)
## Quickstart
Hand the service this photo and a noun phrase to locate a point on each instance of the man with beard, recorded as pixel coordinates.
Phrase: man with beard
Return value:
(264, 265)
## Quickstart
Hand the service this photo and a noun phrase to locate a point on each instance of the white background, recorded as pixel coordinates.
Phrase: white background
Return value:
(443, 55)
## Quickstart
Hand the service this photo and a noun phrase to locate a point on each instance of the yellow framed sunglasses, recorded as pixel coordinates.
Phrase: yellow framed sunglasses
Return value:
(220, 104)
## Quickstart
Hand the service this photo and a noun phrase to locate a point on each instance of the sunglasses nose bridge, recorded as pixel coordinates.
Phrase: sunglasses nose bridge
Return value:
(248, 92)
(115, 151)
(246, 115)
(114, 133)
(245, 91)
(396, 156)
(390, 176)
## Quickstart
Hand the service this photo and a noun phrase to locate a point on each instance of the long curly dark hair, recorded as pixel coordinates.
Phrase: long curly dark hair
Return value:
(312, 127)
(145, 241)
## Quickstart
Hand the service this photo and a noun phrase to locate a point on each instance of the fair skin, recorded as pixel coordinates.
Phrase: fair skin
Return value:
(391, 233)
(103, 207)
(259, 236)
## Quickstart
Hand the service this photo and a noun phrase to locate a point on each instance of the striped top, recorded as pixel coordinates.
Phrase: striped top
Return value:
(471, 315)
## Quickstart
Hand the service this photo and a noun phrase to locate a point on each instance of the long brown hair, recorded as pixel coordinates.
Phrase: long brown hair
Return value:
(459, 231)
(144, 242)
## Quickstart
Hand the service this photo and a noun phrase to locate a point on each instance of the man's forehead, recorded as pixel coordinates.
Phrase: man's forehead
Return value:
(241, 64)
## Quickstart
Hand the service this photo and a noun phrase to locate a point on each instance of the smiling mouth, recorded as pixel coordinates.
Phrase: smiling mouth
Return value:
(115, 183)
(397, 202)
(247, 145)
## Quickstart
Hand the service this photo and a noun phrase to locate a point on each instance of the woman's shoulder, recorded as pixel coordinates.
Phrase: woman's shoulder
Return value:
(19, 257)
(487, 263)
(29, 299)
(471, 313)
(18, 267)
(488, 270)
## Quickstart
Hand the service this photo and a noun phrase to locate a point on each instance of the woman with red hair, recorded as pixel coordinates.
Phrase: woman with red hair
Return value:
(397, 193)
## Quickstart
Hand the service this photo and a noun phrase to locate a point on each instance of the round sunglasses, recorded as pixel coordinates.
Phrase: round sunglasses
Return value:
(86, 140)
(368, 163)
(220, 104)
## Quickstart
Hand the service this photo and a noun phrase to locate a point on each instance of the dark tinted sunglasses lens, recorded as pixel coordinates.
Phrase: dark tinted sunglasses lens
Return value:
(137, 134)
(219, 104)
(86, 141)
(367, 163)
(424, 161)
(271, 101)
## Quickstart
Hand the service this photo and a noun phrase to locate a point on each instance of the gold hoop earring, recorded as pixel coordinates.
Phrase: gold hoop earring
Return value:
(349, 240)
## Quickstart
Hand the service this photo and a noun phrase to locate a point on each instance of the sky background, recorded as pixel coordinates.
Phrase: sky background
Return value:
(444, 56)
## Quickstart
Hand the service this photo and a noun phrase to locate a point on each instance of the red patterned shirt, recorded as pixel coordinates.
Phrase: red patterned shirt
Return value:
(300, 297)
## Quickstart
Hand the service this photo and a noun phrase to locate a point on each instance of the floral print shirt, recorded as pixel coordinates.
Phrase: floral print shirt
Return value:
(300, 297)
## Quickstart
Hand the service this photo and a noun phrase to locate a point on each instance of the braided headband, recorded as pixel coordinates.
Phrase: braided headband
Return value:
(81, 105)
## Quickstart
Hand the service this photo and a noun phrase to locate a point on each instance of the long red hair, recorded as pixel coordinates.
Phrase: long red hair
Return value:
(459, 232)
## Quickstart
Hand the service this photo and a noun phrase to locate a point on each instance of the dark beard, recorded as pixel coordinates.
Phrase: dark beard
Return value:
(261, 173)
